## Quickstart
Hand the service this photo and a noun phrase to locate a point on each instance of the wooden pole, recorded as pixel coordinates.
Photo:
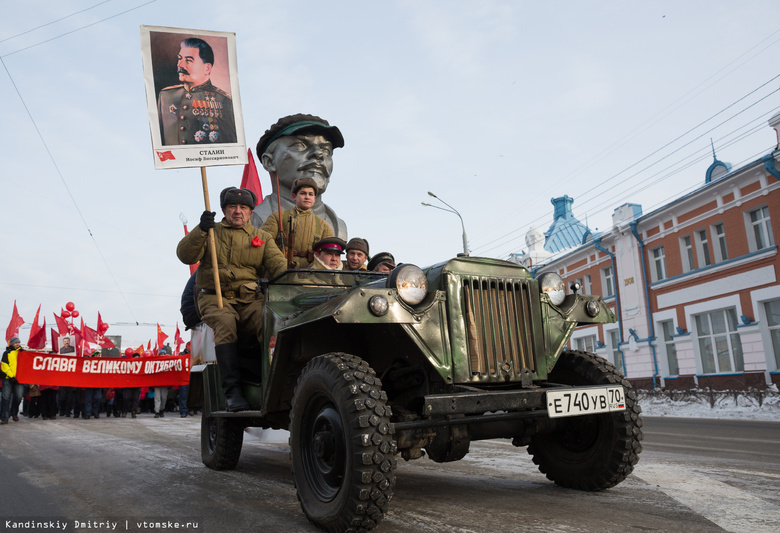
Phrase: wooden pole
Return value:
(212, 245)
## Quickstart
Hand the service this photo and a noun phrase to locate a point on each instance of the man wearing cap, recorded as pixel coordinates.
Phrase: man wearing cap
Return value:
(13, 391)
(300, 223)
(357, 254)
(244, 255)
(195, 112)
(327, 254)
(299, 146)
(382, 262)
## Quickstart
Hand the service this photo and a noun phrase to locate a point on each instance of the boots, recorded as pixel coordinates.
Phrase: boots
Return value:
(227, 360)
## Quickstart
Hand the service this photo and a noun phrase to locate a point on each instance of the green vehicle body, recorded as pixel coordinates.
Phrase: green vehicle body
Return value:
(474, 360)
(515, 339)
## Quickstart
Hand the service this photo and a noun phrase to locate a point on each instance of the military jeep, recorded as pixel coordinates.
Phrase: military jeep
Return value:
(362, 367)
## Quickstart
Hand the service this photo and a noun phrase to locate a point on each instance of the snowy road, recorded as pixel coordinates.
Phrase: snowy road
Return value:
(694, 476)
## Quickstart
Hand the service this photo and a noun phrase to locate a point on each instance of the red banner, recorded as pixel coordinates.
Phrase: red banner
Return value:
(45, 368)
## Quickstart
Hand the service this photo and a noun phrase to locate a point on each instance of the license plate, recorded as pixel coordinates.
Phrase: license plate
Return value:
(585, 401)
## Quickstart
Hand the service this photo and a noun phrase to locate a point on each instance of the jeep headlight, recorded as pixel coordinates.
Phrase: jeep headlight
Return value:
(552, 284)
(410, 282)
(592, 308)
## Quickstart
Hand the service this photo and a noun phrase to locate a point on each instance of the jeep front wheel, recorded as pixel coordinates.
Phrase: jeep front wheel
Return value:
(591, 452)
(221, 440)
(343, 455)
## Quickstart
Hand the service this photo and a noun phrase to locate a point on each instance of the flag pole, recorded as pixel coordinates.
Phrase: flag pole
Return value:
(212, 245)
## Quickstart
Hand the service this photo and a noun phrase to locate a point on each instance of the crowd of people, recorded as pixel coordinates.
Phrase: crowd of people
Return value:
(48, 402)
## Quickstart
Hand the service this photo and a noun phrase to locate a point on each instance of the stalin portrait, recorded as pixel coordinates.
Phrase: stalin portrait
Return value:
(195, 112)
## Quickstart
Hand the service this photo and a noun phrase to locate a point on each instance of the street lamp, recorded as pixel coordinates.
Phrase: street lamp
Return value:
(451, 210)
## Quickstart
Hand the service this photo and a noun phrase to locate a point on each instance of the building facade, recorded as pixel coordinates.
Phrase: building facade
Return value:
(695, 284)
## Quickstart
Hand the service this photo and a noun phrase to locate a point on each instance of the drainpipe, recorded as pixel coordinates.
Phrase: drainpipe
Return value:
(651, 331)
(597, 244)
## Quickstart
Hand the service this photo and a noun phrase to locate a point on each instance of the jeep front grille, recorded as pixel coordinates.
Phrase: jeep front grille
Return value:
(499, 325)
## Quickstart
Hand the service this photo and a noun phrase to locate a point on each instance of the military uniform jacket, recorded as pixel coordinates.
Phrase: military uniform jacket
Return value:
(202, 115)
(308, 229)
(244, 255)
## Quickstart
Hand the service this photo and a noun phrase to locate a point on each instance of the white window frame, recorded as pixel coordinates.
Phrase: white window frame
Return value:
(686, 253)
(658, 270)
(608, 281)
(586, 343)
(762, 225)
(731, 338)
(702, 248)
(719, 244)
(669, 347)
(613, 337)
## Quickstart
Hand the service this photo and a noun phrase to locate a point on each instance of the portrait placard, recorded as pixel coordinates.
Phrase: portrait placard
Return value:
(192, 96)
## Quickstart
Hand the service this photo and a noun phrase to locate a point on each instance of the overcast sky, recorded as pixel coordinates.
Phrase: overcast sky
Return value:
(496, 106)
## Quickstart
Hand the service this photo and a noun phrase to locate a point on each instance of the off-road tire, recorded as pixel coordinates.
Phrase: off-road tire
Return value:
(220, 442)
(592, 452)
(341, 446)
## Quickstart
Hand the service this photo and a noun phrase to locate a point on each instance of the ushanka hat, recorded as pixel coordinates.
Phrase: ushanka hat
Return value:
(356, 243)
(300, 123)
(234, 195)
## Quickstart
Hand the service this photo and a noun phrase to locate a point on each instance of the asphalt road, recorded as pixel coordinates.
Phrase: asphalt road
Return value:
(145, 474)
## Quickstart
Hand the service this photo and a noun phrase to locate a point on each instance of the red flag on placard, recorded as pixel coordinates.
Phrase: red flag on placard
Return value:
(250, 180)
(166, 155)
(13, 327)
(38, 340)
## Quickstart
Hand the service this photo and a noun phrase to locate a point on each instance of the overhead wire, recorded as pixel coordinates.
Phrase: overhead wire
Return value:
(46, 146)
(77, 29)
(54, 21)
(505, 240)
(725, 70)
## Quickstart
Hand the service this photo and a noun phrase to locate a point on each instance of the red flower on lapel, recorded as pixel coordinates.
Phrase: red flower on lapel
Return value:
(257, 242)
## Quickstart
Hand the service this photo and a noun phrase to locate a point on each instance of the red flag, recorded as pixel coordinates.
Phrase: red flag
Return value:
(38, 340)
(90, 335)
(13, 327)
(194, 267)
(55, 346)
(250, 180)
(140, 349)
(102, 327)
(177, 339)
(160, 336)
(105, 342)
(62, 324)
(164, 156)
(35, 328)
(148, 345)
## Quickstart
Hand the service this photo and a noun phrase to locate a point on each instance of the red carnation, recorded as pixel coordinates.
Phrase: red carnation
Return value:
(257, 242)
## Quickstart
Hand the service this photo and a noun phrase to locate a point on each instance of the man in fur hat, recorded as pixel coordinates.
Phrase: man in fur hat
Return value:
(244, 255)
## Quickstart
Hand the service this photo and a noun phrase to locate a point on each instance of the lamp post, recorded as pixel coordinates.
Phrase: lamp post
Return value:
(451, 210)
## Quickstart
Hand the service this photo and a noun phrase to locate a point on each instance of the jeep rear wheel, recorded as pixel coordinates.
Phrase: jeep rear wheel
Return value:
(592, 452)
(343, 455)
(220, 442)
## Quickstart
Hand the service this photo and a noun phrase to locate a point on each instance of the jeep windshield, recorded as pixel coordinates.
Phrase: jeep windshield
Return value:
(328, 278)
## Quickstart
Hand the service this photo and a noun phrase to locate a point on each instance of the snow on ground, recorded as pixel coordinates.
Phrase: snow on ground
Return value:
(752, 405)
